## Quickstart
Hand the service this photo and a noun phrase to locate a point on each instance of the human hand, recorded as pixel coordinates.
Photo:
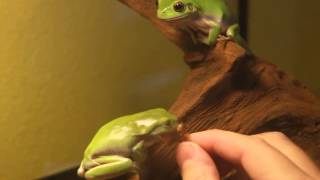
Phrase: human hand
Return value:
(266, 156)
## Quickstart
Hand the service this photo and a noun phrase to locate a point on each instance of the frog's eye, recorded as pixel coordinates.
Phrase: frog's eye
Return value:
(179, 6)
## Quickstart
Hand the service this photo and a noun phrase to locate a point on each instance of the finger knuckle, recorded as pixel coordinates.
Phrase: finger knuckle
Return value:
(272, 135)
(258, 140)
(278, 135)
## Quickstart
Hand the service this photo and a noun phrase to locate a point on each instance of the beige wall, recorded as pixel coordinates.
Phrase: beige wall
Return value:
(285, 32)
(66, 67)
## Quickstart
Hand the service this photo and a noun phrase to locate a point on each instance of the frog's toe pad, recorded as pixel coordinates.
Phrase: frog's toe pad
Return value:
(222, 37)
(81, 172)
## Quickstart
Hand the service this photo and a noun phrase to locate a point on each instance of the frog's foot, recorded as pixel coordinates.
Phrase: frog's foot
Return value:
(81, 170)
(233, 30)
(224, 38)
(110, 167)
(85, 165)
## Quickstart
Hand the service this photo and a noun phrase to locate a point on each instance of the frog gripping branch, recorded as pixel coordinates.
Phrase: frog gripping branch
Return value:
(204, 20)
(120, 146)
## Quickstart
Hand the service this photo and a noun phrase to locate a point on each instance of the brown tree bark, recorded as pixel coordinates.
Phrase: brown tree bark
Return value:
(229, 88)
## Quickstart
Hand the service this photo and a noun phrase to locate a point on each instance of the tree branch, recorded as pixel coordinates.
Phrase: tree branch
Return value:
(228, 88)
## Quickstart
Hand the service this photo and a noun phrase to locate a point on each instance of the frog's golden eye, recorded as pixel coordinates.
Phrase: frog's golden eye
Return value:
(179, 6)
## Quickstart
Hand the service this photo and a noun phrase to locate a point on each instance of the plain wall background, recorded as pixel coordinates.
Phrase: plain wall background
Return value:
(285, 33)
(67, 67)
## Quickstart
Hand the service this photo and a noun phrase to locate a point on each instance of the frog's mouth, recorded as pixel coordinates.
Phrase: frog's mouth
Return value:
(162, 130)
(191, 15)
(177, 18)
(167, 133)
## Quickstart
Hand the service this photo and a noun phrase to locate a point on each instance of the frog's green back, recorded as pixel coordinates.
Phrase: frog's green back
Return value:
(145, 119)
(216, 8)
(121, 133)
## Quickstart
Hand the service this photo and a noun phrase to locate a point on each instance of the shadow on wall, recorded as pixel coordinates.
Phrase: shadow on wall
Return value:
(66, 175)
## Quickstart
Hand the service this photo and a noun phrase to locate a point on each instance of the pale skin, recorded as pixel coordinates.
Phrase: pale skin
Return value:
(266, 156)
(119, 147)
(204, 20)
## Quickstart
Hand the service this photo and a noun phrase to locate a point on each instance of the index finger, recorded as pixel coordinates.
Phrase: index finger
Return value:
(255, 156)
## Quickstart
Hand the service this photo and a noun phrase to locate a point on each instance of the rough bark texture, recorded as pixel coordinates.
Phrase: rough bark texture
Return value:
(229, 88)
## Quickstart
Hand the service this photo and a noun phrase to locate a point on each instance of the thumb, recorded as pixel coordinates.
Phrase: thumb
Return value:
(195, 163)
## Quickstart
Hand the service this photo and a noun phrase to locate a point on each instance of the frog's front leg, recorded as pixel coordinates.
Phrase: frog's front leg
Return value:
(213, 35)
(110, 167)
(234, 32)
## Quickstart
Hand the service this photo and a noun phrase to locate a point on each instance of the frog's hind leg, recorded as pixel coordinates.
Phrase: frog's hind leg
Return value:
(110, 167)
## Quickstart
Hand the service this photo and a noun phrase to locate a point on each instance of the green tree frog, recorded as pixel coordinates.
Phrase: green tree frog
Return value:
(204, 20)
(119, 147)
